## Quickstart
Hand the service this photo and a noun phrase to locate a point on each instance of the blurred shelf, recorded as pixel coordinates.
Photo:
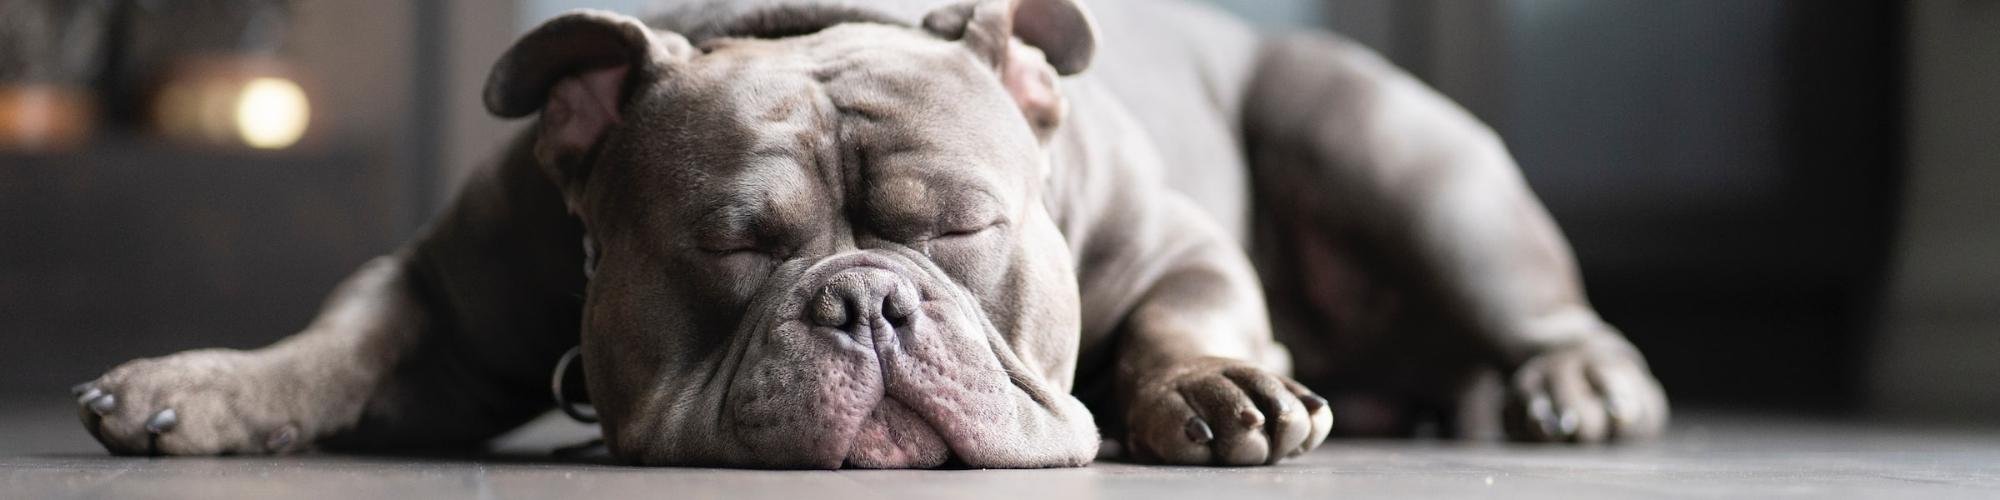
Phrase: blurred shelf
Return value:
(129, 248)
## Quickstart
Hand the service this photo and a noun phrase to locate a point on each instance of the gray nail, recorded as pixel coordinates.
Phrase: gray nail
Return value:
(104, 404)
(163, 421)
(1313, 402)
(1623, 412)
(282, 439)
(89, 394)
(1198, 431)
(78, 389)
(1542, 414)
(1250, 418)
(1568, 421)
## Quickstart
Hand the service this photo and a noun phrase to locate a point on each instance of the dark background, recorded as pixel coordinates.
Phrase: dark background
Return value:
(1787, 204)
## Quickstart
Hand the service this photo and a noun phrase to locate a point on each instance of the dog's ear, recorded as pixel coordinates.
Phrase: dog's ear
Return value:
(578, 70)
(1029, 43)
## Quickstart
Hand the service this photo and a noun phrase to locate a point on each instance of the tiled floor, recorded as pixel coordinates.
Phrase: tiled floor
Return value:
(44, 454)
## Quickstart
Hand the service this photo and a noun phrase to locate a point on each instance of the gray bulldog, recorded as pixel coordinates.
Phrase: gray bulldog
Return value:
(916, 235)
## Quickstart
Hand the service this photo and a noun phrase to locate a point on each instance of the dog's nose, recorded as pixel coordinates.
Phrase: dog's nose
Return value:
(864, 297)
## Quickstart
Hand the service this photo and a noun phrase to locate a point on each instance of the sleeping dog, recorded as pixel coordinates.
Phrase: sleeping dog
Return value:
(796, 234)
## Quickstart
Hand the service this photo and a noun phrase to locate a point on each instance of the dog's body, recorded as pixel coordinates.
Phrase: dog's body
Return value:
(825, 236)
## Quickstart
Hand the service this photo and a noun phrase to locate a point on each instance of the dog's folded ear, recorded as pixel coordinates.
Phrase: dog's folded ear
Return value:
(578, 69)
(1060, 29)
(1028, 42)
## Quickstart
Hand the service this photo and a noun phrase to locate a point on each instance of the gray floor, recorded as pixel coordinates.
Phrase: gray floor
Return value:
(44, 454)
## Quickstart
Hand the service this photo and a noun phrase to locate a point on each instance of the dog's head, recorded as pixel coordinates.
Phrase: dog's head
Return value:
(820, 249)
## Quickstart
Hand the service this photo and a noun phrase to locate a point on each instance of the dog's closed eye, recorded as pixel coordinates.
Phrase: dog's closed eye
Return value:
(968, 231)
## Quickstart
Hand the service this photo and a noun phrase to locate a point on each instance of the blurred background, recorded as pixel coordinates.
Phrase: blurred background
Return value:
(1789, 205)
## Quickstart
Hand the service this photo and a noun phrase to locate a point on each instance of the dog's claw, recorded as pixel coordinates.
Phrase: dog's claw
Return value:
(162, 421)
(282, 439)
(1250, 418)
(87, 395)
(78, 390)
(1542, 415)
(1621, 410)
(1568, 422)
(1198, 431)
(103, 404)
(1313, 402)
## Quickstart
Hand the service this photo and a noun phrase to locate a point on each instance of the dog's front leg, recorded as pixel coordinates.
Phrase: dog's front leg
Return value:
(1196, 375)
(270, 400)
(447, 342)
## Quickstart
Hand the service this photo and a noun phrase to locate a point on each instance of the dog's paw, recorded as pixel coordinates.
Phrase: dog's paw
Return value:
(1218, 411)
(1584, 394)
(206, 402)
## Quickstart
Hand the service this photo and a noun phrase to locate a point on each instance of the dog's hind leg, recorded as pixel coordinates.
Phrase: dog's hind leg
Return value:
(1399, 239)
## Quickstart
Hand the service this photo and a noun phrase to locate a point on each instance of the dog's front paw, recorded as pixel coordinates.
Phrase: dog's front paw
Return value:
(1222, 412)
(206, 402)
(1587, 393)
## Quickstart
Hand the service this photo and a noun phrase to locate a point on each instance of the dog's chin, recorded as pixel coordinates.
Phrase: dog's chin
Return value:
(868, 408)
(893, 437)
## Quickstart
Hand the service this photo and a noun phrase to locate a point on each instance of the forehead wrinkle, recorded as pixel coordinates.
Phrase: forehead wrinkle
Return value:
(898, 106)
(782, 111)
(853, 104)
(822, 137)
(756, 206)
(771, 182)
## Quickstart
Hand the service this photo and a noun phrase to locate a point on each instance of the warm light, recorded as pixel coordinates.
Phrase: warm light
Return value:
(42, 117)
(271, 113)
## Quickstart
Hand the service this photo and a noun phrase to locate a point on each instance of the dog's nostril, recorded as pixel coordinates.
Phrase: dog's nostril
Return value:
(896, 318)
(899, 305)
(830, 309)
